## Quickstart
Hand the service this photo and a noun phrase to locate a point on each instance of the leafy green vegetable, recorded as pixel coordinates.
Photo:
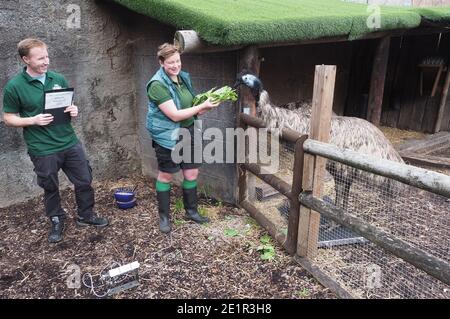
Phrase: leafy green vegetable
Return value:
(230, 232)
(225, 93)
(266, 249)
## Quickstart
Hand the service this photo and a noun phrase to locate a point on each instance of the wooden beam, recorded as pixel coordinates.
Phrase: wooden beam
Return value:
(434, 161)
(377, 81)
(437, 126)
(431, 181)
(324, 278)
(432, 265)
(190, 42)
(274, 181)
(287, 134)
(308, 228)
(294, 207)
(249, 60)
(266, 223)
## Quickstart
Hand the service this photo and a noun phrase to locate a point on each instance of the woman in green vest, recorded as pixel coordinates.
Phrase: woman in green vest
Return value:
(170, 108)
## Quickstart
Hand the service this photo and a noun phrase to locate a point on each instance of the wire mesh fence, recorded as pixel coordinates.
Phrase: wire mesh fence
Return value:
(416, 216)
(365, 270)
(270, 202)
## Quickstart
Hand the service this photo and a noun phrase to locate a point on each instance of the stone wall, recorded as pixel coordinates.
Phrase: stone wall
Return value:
(107, 53)
(89, 44)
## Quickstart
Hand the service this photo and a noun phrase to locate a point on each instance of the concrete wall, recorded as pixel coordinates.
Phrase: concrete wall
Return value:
(96, 60)
(108, 60)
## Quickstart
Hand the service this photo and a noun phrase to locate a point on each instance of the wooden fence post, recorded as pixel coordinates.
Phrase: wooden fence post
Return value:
(314, 169)
(437, 126)
(249, 60)
(377, 81)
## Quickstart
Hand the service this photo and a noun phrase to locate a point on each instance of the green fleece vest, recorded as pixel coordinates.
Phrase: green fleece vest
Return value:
(162, 129)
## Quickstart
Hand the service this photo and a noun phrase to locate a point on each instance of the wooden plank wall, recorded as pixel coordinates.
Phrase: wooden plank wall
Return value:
(362, 54)
(403, 107)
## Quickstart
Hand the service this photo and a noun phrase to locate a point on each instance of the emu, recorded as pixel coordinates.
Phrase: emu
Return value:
(346, 133)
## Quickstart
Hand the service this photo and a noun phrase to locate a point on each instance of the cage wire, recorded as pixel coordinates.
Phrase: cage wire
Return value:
(418, 217)
(268, 201)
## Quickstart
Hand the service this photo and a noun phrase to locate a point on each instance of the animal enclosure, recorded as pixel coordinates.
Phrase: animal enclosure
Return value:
(362, 268)
(390, 239)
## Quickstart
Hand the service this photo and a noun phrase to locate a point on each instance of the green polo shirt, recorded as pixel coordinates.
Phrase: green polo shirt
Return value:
(24, 95)
(159, 93)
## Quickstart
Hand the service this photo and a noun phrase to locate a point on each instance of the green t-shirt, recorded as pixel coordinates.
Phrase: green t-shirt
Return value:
(24, 95)
(159, 93)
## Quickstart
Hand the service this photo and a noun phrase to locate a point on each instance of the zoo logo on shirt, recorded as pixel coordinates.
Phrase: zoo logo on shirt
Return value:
(57, 87)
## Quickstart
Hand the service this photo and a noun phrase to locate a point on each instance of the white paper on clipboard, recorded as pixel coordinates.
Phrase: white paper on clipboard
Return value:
(58, 98)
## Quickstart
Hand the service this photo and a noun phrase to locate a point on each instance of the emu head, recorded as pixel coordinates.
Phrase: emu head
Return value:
(251, 81)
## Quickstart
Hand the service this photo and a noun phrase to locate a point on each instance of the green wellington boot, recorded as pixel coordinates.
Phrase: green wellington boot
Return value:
(190, 205)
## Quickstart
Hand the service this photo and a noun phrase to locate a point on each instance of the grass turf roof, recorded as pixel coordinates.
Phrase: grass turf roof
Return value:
(229, 22)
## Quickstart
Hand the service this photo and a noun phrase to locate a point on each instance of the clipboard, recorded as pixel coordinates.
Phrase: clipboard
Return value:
(55, 102)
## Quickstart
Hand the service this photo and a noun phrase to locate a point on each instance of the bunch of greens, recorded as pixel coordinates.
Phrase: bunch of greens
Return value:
(225, 93)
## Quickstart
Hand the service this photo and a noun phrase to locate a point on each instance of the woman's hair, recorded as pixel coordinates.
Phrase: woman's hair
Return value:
(26, 45)
(166, 50)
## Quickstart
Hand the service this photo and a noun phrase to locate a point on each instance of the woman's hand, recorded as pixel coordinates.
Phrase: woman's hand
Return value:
(206, 106)
(73, 109)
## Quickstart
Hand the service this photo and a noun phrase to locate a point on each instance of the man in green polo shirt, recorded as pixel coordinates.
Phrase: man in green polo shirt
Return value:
(51, 147)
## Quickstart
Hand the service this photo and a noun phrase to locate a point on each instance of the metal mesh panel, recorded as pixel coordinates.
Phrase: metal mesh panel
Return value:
(265, 198)
(418, 217)
(286, 163)
(269, 202)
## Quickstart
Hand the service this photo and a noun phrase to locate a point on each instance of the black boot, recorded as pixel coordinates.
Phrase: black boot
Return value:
(163, 210)
(190, 205)
(57, 229)
(92, 220)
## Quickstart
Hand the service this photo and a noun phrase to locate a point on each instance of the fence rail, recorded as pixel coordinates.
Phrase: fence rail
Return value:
(435, 267)
(421, 178)
(291, 191)
(409, 248)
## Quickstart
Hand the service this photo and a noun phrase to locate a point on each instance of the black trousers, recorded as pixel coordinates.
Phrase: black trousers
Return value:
(75, 165)
(164, 155)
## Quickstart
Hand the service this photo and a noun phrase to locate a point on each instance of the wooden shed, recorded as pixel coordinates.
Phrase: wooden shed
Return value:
(381, 53)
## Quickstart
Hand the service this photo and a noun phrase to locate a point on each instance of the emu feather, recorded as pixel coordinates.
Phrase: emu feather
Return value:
(346, 133)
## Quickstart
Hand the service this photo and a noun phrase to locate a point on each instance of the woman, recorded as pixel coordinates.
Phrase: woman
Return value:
(170, 108)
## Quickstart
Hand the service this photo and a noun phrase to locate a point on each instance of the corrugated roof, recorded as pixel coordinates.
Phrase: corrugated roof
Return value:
(232, 22)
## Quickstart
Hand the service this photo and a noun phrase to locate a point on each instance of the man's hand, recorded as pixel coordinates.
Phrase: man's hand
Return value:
(73, 109)
(42, 119)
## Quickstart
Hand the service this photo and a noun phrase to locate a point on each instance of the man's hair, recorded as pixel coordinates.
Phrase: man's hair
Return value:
(26, 45)
(166, 50)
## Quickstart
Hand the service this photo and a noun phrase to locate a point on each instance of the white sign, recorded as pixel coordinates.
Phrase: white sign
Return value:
(55, 100)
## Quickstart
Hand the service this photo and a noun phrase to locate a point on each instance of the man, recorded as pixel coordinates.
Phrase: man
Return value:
(51, 147)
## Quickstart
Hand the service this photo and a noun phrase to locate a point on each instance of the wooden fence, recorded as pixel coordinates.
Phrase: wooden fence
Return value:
(306, 207)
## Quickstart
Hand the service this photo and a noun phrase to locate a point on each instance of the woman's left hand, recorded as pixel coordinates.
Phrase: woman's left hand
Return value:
(73, 109)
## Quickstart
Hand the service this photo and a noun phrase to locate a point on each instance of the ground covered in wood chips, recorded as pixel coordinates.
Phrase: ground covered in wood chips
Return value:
(218, 260)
